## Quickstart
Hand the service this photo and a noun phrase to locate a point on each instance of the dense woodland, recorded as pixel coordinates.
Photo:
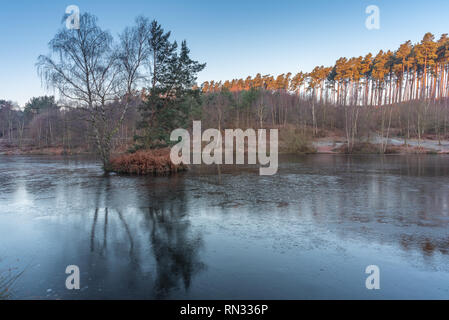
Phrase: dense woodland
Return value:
(412, 72)
(402, 93)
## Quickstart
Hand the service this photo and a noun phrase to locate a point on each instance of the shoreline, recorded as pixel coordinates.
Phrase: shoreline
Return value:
(47, 151)
(334, 145)
(395, 145)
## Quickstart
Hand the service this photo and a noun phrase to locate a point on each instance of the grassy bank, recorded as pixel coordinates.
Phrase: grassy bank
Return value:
(295, 141)
(146, 162)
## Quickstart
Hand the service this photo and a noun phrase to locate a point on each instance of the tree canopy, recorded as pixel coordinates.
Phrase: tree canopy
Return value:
(412, 72)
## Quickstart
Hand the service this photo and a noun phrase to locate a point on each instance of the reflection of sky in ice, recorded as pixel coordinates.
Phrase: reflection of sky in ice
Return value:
(21, 198)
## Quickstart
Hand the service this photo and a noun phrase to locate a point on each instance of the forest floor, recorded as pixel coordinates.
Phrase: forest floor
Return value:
(8, 149)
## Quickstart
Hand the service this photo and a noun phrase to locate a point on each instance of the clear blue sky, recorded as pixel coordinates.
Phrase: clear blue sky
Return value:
(235, 38)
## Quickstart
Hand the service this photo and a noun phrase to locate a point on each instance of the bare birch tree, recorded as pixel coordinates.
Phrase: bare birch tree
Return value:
(90, 72)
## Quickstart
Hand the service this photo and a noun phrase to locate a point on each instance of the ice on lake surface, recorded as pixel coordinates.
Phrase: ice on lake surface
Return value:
(308, 232)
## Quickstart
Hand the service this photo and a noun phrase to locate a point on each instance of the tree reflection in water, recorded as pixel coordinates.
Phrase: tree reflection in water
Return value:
(157, 244)
(175, 252)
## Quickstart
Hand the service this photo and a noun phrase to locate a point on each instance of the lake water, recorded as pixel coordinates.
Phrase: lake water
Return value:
(307, 233)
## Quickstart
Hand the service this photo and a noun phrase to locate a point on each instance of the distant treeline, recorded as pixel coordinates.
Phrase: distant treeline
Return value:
(412, 72)
(44, 123)
(402, 93)
(259, 108)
